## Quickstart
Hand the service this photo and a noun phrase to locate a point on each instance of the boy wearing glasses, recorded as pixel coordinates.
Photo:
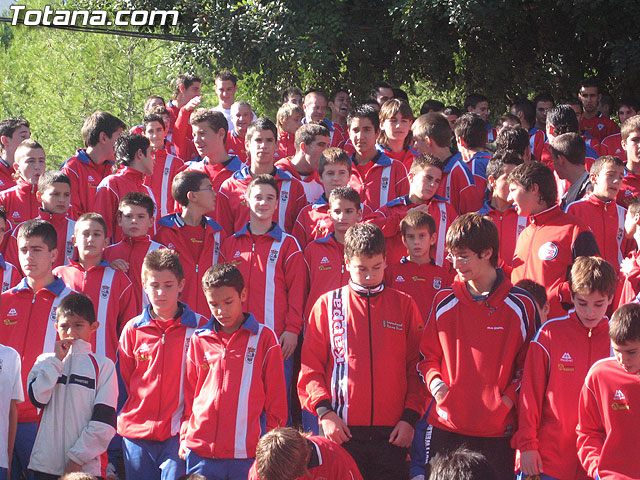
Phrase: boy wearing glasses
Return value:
(473, 349)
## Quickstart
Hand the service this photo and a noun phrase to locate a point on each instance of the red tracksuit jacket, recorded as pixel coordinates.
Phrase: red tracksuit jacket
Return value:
(389, 216)
(218, 172)
(359, 357)
(230, 381)
(458, 186)
(479, 347)
(313, 221)
(630, 188)
(608, 424)
(559, 358)
(386, 179)
(28, 320)
(510, 226)
(313, 188)
(194, 262)
(286, 145)
(133, 250)
(111, 190)
(420, 282)
(274, 272)
(325, 261)
(85, 177)
(235, 146)
(599, 126)
(165, 168)
(405, 157)
(612, 145)
(606, 221)
(328, 460)
(6, 175)
(182, 135)
(113, 301)
(63, 225)
(152, 359)
(232, 211)
(537, 138)
(10, 274)
(20, 202)
(546, 250)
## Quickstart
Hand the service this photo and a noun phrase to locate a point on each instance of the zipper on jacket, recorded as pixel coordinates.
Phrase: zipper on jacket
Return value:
(370, 355)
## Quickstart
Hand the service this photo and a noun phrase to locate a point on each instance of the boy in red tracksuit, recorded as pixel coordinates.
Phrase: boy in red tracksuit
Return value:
(630, 136)
(241, 117)
(375, 176)
(286, 454)
(273, 267)
(551, 242)
(111, 290)
(12, 132)
(395, 136)
(358, 368)
(607, 423)
(288, 120)
(209, 134)
(133, 162)
(474, 347)
(54, 192)
(165, 167)
(424, 178)
(152, 360)
(432, 135)
(471, 139)
(20, 201)
(601, 212)
(630, 266)
(90, 165)
(231, 205)
(500, 210)
(10, 273)
(313, 222)
(28, 318)
(195, 237)
(325, 256)
(310, 141)
(135, 214)
(218, 438)
(559, 357)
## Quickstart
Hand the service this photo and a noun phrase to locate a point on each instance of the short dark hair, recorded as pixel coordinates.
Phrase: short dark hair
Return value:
(435, 126)
(213, 118)
(543, 97)
(262, 123)
(497, 166)
(333, 155)
(92, 217)
(365, 111)
(571, 146)
(99, 122)
(50, 177)
(472, 129)
(475, 232)
(508, 157)
(514, 139)
(288, 92)
(223, 275)
(160, 260)
(375, 88)
(150, 99)
(474, 99)
(535, 290)
(624, 326)
(39, 228)
(334, 94)
(185, 80)
(628, 101)
(364, 239)
(10, 125)
(345, 193)
(452, 110)
(591, 82)
(152, 117)
(308, 132)
(185, 182)
(263, 179)
(227, 76)
(461, 464)
(137, 199)
(527, 108)
(431, 105)
(601, 162)
(127, 146)
(536, 173)
(417, 219)
(76, 304)
(425, 160)
(563, 119)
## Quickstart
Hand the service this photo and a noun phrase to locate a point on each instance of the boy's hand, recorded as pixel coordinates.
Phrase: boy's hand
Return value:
(423, 207)
(72, 467)
(288, 343)
(531, 462)
(442, 391)
(402, 435)
(334, 428)
(193, 103)
(61, 349)
(507, 401)
(182, 451)
(121, 265)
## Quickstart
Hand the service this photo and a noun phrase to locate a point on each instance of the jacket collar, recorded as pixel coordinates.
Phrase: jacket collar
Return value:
(250, 324)
(187, 317)
(56, 287)
(276, 232)
(174, 220)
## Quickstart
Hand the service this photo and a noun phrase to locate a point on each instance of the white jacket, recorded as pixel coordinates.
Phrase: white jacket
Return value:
(78, 396)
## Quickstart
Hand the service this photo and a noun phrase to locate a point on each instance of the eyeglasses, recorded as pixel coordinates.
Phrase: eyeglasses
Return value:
(459, 260)
(208, 188)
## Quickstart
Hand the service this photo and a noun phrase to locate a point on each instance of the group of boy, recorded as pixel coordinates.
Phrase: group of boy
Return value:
(355, 251)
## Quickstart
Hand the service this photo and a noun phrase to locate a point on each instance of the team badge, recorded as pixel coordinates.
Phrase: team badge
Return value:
(437, 283)
(548, 251)
(273, 255)
(284, 196)
(104, 291)
(251, 354)
(385, 183)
